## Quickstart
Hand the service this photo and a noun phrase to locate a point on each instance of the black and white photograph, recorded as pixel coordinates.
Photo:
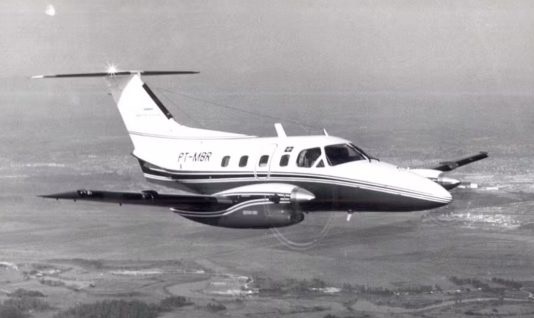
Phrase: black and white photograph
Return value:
(236, 158)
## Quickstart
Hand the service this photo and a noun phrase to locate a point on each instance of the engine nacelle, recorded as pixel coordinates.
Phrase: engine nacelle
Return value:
(254, 214)
(255, 206)
(448, 183)
(274, 190)
(436, 176)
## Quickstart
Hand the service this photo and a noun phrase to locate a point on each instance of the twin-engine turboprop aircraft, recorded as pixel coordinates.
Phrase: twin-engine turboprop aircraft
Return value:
(242, 181)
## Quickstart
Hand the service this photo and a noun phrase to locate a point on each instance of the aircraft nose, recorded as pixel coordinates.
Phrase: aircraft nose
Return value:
(430, 191)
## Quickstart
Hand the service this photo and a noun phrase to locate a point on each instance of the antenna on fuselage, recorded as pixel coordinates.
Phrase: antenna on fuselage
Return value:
(280, 130)
(325, 132)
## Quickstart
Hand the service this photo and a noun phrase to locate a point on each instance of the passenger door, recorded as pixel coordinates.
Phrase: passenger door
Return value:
(262, 163)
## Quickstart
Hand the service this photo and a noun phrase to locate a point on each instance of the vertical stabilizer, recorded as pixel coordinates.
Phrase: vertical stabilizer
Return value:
(146, 118)
(141, 111)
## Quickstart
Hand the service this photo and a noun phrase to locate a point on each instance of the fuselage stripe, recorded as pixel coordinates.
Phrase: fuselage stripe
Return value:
(212, 178)
(352, 184)
(208, 178)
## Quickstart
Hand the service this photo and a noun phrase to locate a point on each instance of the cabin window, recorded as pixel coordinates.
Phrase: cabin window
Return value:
(225, 161)
(263, 161)
(243, 161)
(284, 160)
(342, 153)
(320, 164)
(307, 157)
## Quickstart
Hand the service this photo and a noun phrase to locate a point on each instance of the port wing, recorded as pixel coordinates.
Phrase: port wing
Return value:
(148, 198)
(194, 203)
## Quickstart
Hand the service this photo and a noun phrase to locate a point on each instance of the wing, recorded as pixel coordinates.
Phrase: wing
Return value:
(149, 198)
(252, 206)
(451, 165)
(436, 173)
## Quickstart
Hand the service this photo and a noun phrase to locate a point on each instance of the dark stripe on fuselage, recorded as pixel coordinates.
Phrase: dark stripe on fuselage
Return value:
(212, 176)
(329, 197)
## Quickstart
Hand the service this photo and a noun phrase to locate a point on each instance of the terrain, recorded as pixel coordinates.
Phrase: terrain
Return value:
(473, 257)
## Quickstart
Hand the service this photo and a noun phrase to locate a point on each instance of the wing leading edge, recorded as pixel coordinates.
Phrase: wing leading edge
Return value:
(149, 198)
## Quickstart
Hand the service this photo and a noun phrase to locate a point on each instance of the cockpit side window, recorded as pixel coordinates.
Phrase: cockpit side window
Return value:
(342, 153)
(307, 157)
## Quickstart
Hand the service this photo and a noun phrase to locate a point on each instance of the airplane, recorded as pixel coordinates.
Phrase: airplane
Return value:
(241, 181)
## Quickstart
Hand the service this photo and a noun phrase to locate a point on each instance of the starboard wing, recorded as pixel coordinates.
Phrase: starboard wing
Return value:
(451, 165)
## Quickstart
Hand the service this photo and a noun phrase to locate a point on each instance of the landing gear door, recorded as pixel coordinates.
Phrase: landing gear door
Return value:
(262, 164)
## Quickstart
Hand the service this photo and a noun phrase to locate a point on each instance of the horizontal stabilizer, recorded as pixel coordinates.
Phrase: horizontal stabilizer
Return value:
(451, 165)
(118, 73)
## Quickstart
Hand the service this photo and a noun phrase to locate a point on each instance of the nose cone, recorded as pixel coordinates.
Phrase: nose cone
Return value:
(438, 192)
(431, 194)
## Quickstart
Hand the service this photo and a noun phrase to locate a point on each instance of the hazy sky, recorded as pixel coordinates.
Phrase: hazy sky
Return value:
(365, 46)
(440, 76)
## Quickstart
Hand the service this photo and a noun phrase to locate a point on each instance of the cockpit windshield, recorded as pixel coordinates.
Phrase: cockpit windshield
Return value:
(342, 153)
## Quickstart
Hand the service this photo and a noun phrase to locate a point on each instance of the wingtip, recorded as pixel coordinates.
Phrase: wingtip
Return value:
(37, 76)
(63, 195)
(49, 196)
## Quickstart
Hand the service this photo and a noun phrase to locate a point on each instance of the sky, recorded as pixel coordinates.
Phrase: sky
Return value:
(383, 73)
(363, 46)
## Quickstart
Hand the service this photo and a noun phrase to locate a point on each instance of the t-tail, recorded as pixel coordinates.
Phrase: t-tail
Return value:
(144, 115)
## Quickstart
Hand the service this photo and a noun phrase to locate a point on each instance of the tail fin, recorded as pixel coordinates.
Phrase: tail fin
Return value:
(143, 114)
(141, 111)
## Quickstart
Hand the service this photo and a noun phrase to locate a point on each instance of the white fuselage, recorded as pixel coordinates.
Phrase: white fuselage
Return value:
(209, 161)
(213, 165)
(253, 182)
